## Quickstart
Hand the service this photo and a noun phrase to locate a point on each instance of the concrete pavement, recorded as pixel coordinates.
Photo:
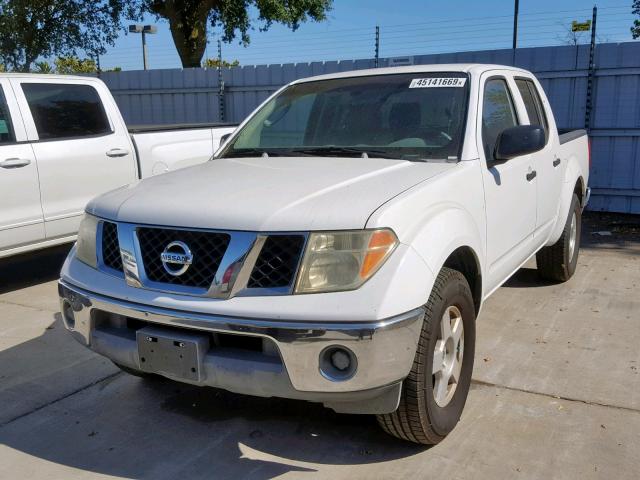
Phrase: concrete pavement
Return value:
(556, 394)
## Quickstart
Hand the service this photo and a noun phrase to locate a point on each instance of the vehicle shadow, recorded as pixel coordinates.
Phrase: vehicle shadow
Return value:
(120, 425)
(32, 268)
(600, 231)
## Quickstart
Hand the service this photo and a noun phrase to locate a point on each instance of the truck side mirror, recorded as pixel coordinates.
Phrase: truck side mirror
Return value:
(224, 138)
(521, 140)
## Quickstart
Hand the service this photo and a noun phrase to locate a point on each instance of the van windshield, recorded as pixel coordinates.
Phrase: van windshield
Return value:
(416, 116)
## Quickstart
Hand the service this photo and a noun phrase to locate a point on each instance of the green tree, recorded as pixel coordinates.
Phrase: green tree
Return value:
(215, 63)
(71, 65)
(635, 30)
(189, 19)
(43, 67)
(31, 29)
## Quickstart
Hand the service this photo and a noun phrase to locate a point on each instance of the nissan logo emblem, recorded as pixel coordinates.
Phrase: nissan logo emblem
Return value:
(176, 258)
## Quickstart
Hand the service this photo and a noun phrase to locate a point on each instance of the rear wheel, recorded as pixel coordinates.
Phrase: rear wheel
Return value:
(434, 393)
(558, 262)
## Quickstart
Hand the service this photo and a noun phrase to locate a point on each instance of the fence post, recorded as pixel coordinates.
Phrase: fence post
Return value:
(592, 68)
(516, 7)
(377, 55)
(220, 84)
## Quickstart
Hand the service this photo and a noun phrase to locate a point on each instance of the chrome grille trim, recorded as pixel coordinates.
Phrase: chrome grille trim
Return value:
(239, 260)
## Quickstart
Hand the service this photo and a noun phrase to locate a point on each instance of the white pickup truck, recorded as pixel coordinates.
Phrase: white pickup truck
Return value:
(340, 245)
(62, 142)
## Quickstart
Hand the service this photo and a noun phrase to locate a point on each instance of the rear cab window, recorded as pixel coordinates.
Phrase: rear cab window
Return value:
(7, 134)
(66, 111)
(533, 104)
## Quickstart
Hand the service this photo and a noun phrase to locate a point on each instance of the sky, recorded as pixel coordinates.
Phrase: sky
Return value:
(407, 27)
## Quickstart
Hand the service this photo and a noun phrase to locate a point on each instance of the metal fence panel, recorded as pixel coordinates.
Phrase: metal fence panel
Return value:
(191, 95)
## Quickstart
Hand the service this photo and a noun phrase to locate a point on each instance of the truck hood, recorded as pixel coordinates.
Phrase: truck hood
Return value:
(267, 194)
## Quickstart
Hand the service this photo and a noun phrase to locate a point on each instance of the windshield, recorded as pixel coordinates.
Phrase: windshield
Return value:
(417, 116)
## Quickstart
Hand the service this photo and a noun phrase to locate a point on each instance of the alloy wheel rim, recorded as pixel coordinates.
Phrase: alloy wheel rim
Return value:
(573, 232)
(447, 356)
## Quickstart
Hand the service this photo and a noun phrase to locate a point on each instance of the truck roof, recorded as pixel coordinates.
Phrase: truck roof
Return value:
(472, 68)
(47, 76)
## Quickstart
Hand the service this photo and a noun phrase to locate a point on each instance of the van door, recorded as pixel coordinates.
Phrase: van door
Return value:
(21, 219)
(510, 186)
(81, 151)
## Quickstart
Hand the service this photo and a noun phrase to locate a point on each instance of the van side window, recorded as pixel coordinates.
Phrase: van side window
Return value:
(6, 127)
(66, 110)
(498, 113)
(533, 104)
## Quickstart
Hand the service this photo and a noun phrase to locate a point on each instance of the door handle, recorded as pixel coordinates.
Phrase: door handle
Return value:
(531, 175)
(15, 163)
(556, 162)
(117, 152)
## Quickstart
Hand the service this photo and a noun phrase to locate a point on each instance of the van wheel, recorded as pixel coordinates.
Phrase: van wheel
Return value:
(434, 393)
(558, 262)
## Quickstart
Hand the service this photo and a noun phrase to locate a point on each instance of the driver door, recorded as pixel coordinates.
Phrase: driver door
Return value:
(510, 186)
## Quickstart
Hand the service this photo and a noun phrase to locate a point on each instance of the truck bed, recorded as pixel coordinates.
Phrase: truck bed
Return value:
(162, 148)
(179, 126)
(568, 134)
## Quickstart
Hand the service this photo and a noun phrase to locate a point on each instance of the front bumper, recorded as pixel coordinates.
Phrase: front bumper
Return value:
(287, 366)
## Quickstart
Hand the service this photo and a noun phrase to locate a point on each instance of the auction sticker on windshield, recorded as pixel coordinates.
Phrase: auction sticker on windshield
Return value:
(437, 82)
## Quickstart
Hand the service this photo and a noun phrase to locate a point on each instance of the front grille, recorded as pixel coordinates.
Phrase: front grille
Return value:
(277, 263)
(110, 246)
(207, 248)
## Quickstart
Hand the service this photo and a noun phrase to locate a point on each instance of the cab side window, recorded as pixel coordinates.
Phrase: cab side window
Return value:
(532, 103)
(498, 113)
(66, 110)
(6, 127)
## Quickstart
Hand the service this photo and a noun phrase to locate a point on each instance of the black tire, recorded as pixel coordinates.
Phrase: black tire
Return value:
(558, 262)
(418, 418)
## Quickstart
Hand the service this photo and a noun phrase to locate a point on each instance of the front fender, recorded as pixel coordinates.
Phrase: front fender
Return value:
(436, 234)
(442, 231)
(439, 216)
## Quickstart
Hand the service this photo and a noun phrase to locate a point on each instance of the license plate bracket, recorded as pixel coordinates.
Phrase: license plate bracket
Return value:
(172, 352)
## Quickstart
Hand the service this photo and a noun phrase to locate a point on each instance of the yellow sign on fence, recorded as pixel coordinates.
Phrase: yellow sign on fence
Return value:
(581, 26)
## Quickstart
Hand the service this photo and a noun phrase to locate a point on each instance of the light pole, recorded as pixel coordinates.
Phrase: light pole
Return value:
(143, 29)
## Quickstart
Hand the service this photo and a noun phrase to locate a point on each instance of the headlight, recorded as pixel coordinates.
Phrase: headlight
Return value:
(338, 261)
(86, 244)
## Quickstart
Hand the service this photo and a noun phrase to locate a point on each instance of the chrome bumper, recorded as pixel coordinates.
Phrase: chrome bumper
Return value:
(384, 351)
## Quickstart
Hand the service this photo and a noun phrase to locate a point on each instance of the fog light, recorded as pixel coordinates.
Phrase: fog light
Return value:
(340, 359)
(338, 363)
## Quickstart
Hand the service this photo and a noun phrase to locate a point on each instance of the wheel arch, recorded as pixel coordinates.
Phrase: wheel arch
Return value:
(580, 190)
(465, 260)
(574, 184)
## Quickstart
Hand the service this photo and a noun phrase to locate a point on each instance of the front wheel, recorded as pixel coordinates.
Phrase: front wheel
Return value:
(558, 262)
(434, 393)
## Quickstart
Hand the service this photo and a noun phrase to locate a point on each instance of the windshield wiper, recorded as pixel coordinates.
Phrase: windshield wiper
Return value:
(257, 152)
(332, 151)
(329, 151)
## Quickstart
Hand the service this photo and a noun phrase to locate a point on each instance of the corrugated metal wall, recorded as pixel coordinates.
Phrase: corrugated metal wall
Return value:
(187, 96)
